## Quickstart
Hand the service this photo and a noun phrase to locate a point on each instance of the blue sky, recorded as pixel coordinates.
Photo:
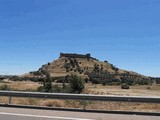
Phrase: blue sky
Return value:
(124, 32)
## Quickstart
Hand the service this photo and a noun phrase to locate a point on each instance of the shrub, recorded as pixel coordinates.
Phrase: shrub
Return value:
(86, 73)
(125, 86)
(56, 89)
(104, 83)
(66, 61)
(60, 80)
(86, 80)
(106, 61)
(5, 87)
(65, 88)
(76, 84)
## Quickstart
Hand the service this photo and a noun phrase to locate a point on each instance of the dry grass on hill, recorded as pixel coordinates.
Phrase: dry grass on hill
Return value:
(56, 68)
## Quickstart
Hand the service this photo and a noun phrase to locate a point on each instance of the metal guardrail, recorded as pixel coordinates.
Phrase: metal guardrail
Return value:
(84, 97)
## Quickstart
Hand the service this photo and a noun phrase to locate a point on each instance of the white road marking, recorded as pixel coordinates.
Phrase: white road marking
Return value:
(39, 116)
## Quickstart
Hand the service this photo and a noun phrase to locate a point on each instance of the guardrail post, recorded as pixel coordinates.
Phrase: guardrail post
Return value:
(10, 100)
(84, 104)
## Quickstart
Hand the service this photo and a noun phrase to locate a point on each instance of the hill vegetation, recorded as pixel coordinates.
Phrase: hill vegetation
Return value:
(88, 68)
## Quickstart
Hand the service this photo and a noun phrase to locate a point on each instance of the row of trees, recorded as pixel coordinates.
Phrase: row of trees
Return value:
(156, 79)
(96, 77)
(108, 78)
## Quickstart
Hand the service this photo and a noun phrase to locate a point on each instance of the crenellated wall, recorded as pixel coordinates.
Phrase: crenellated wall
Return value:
(74, 55)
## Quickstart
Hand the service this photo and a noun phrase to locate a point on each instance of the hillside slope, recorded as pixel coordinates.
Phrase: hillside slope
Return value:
(81, 65)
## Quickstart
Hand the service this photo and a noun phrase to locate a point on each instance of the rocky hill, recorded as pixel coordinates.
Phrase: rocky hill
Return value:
(81, 65)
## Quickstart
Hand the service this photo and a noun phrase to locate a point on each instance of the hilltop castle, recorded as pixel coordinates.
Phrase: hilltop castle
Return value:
(74, 55)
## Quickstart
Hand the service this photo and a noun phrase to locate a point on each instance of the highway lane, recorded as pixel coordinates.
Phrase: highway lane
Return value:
(32, 114)
(13, 116)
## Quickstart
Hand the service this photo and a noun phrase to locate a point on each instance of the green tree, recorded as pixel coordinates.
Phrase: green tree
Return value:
(76, 84)
(125, 86)
(47, 82)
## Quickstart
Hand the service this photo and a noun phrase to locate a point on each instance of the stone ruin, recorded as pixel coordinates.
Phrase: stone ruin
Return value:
(74, 55)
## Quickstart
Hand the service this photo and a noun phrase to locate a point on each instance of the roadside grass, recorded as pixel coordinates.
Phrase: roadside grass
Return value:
(53, 103)
(115, 106)
(21, 86)
(136, 90)
(145, 90)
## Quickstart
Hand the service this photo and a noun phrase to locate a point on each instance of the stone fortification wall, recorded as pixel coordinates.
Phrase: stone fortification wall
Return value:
(75, 55)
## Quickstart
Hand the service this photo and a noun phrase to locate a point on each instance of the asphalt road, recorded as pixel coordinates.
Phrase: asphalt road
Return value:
(32, 114)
